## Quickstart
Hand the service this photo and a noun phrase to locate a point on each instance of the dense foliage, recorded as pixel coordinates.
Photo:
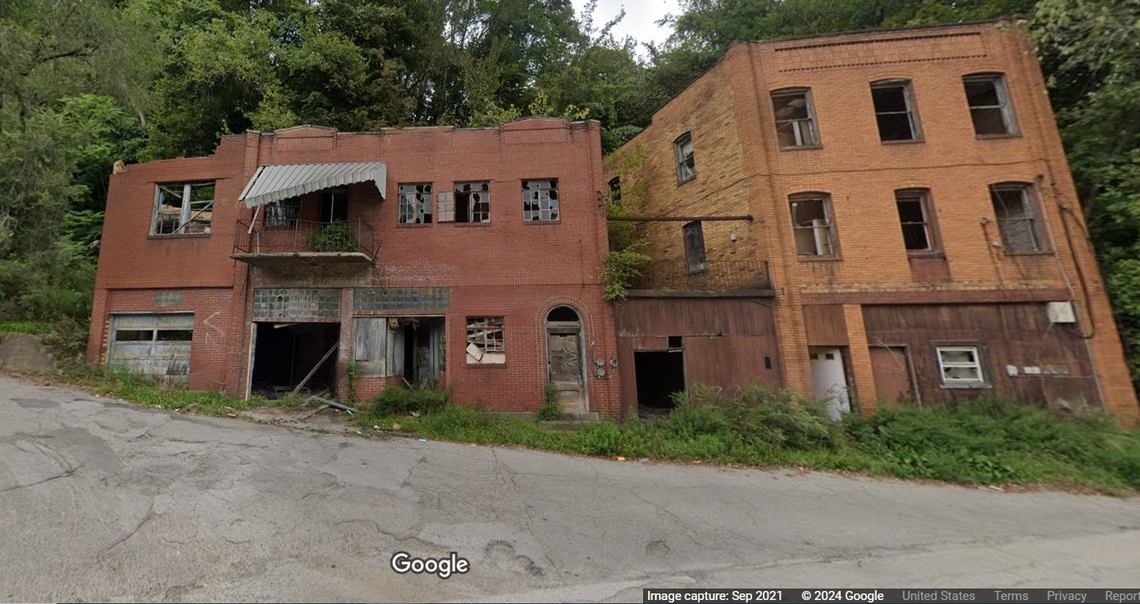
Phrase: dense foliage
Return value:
(85, 83)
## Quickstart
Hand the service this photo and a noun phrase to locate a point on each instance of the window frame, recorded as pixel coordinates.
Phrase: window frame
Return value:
(977, 364)
(930, 223)
(485, 344)
(1005, 103)
(686, 164)
(186, 218)
(829, 215)
(288, 216)
(553, 210)
(410, 212)
(695, 255)
(813, 123)
(1031, 208)
(911, 110)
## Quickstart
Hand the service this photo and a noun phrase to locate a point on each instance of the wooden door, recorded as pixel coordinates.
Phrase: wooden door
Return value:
(891, 368)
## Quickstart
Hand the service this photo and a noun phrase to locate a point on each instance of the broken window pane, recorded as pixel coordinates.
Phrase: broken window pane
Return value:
(473, 201)
(184, 208)
(615, 190)
(1016, 217)
(989, 104)
(540, 199)
(134, 335)
(485, 341)
(175, 335)
(283, 214)
(415, 203)
(913, 212)
(686, 164)
(811, 223)
(795, 123)
(893, 111)
(960, 365)
(695, 247)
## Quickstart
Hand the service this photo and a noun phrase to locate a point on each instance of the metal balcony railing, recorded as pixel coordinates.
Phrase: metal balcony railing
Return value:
(673, 274)
(352, 236)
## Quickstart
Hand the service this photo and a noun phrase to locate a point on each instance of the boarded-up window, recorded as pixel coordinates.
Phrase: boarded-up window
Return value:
(369, 337)
(540, 199)
(485, 343)
(415, 203)
(183, 209)
(695, 247)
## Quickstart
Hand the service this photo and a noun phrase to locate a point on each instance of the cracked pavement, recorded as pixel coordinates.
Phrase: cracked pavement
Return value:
(101, 500)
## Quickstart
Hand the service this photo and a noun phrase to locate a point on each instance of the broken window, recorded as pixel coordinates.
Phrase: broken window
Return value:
(686, 165)
(615, 190)
(540, 199)
(283, 214)
(1016, 217)
(894, 110)
(812, 225)
(485, 341)
(989, 102)
(473, 201)
(415, 203)
(334, 205)
(795, 120)
(183, 209)
(914, 216)
(695, 247)
(960, 366)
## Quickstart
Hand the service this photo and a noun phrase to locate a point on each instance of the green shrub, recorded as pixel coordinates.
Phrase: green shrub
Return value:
(550, 411)
(396, 400)
(335, 237)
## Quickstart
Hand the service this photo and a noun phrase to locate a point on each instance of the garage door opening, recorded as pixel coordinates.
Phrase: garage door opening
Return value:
(284, 353)
(659, 375)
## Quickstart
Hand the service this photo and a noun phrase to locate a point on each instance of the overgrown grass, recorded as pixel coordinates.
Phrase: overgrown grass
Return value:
(161, 395)
(989, 441)
(396, 400)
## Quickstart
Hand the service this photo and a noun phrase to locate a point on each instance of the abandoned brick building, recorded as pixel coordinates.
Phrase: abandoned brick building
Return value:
(887, 214)
(440, 256)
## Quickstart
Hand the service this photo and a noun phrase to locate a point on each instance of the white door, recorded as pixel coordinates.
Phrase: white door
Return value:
(829, 380)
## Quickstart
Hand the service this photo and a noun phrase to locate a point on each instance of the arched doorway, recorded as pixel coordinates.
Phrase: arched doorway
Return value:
(565, 354)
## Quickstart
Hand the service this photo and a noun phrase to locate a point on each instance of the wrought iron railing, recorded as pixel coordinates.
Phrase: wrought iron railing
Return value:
(673, 274)
(305, 236)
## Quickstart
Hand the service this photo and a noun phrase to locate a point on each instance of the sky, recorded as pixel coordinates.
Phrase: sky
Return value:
(640, 20)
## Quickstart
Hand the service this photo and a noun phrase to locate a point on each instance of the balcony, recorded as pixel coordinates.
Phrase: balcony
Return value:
(298, 243)
(661, 277)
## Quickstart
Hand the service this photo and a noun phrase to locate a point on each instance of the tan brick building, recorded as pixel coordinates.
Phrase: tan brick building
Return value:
(888, 214)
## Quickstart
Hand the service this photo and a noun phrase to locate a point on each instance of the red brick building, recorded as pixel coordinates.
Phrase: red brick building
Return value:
(867, 217)
(459, 257)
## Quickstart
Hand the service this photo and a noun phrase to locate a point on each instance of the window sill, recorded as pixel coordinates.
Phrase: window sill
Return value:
(542, 222)
(413, 225)
(913, 141)
(687, 180)
(1029, 253)
(180, 236)
(925, 254)
(997, 136)
(806, 258)
(487, 365)
(969, 386)
(801, 148)
(471, 224)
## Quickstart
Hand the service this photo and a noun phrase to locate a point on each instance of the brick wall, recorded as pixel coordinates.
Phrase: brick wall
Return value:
(741, 169)
(508, 267)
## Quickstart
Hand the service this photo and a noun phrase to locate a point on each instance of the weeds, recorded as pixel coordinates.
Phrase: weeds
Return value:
(398, 400)
(550, 411)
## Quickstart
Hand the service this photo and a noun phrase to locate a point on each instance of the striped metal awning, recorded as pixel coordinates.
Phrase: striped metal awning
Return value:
(274, 183)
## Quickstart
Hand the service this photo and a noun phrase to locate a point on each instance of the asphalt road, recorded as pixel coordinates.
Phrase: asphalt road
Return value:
(100, 500)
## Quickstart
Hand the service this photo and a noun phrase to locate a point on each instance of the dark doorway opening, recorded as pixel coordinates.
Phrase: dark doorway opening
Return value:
(420, 344)
(658, 375)
(284, 353)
